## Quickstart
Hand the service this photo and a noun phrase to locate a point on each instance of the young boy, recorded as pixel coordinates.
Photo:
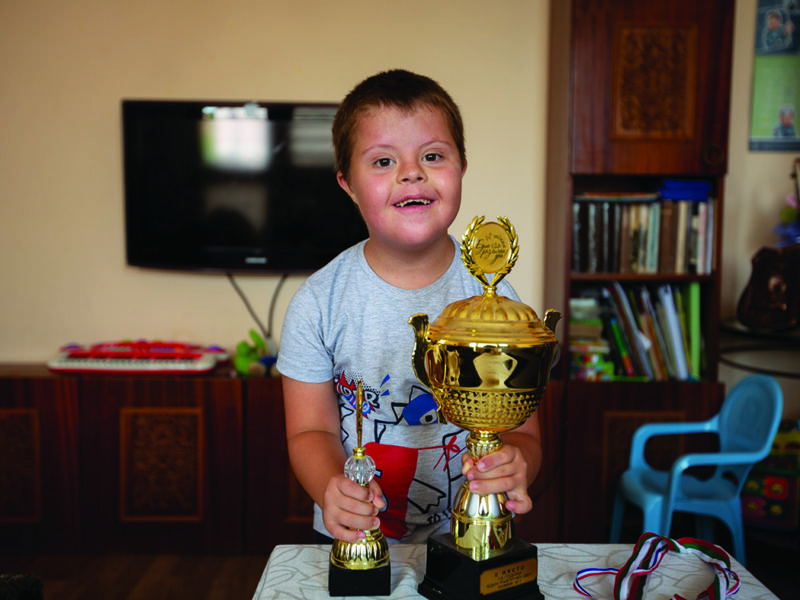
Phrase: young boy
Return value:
(399, 144)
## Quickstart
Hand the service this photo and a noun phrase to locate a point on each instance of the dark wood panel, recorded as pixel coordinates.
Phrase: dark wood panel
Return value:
(39, 473)
(277, 508)
(214, 478)
(650, 86)
(543, 522)
(600, 421)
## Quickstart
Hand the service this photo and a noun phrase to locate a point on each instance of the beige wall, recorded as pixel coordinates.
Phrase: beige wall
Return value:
(65, 68)
(758, 182)
(67, 65)
(755, 191)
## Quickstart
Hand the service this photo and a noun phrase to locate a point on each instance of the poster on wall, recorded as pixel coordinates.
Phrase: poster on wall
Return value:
(776, 76)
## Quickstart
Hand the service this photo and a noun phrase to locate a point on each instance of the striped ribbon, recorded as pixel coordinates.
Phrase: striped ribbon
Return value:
(630, 581)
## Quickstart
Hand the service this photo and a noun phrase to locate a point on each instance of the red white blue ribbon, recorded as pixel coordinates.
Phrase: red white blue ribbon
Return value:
(630, 581)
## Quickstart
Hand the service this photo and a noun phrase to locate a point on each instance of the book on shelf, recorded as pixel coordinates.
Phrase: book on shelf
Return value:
(667, 242)
(657, 333)
(693, 200)
(600, 225)
(585, 328)
(670, 321)
(579, 245)
(589, 351)
(680, 237)
(668, 231)
(624, 333)
(693, 327)
(647, 333)
(653, 237)
(679, 297)
(651, 332)
(630, 323)
(624, 243)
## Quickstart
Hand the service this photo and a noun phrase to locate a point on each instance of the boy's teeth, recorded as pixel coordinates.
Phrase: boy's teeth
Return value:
(413, 201)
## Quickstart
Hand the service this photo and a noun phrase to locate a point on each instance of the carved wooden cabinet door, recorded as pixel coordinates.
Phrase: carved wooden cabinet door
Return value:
(161, 464)
(39, 495)
(650, 86)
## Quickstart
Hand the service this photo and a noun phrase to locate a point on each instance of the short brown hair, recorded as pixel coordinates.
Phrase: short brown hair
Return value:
(399, 89)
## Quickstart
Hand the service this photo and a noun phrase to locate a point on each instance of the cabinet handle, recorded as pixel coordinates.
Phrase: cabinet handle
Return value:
(713, 155)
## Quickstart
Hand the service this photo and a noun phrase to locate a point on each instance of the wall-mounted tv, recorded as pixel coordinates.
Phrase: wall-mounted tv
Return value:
(225, 186)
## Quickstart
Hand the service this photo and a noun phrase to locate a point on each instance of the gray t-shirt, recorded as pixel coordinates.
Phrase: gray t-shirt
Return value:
(344, 324)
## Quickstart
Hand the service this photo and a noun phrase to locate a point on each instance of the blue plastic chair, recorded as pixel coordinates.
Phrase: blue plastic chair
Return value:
(746, 426)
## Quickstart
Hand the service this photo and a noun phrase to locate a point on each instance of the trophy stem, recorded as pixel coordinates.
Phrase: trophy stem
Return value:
(480, 525)
(360, 568)
(481, 443)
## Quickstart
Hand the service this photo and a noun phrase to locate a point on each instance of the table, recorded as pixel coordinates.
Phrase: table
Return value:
(774, 353)
(301, 572)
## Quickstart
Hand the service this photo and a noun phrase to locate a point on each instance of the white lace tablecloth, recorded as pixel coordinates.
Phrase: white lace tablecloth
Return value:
(301, 572)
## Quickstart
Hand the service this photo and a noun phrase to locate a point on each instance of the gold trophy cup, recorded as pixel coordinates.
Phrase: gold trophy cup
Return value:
(487, 361)
(360, 568)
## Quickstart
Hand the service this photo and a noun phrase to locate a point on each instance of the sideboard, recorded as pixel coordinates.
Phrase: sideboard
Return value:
(198, 463)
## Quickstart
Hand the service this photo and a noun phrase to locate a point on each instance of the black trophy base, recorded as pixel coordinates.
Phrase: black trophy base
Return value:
(363, 582)
(451, 574)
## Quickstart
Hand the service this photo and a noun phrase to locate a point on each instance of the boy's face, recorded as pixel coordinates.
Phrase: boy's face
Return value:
(405, 177)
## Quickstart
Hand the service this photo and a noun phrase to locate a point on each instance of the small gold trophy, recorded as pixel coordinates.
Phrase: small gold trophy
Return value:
(487, 361)
(360, 568)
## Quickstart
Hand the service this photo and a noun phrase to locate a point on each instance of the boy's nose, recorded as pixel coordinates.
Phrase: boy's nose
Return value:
(411, 172)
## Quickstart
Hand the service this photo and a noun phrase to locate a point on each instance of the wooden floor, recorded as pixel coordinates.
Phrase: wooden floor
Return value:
(142, 577)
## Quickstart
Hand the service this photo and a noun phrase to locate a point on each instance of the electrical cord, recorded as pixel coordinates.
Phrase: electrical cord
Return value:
(265, 331)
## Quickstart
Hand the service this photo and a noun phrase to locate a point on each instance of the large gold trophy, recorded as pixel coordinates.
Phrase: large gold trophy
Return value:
(360, 568)
(487, 361)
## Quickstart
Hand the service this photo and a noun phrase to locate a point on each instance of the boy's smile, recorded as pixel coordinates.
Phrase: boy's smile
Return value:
(405, 177)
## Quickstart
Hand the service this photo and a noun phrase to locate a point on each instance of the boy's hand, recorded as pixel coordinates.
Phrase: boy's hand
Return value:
(349, 509)
(501, 471)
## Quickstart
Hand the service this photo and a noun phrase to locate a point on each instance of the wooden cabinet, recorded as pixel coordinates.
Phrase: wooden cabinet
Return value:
(647, 93)
(162, 466)
(542, 523)
(278, 510)
(645, 100)
(39, 462)
(189, 464)
(650, 86)
(599, 421)
(639, 94)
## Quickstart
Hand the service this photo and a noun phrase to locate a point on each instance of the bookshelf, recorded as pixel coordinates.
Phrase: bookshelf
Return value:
(636, 189)
(639, 99)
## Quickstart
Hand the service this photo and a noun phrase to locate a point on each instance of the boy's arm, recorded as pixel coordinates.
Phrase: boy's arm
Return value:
(313, 436)
(512, 469)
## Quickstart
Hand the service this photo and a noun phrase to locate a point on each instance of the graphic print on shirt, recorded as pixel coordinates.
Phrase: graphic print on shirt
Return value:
(412, 478)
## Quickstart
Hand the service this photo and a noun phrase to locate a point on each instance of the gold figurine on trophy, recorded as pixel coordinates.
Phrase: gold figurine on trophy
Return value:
(360, 568)
(487, 361)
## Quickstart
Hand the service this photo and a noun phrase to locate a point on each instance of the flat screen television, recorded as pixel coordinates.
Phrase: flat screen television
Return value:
(233, 186)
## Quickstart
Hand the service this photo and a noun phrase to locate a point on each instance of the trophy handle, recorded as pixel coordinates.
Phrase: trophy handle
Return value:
(551, 317)
(421, 344)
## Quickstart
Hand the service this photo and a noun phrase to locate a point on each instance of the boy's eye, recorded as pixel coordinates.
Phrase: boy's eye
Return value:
(384, 162)
(431, 157)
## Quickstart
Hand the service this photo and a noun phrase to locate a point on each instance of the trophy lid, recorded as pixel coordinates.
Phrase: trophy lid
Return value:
(490, 319)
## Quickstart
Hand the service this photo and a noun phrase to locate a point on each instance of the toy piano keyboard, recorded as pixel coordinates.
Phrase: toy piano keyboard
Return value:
(132, 357)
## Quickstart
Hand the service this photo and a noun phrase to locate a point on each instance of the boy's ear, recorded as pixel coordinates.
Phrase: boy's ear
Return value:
(464, 167)
(344, 185)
